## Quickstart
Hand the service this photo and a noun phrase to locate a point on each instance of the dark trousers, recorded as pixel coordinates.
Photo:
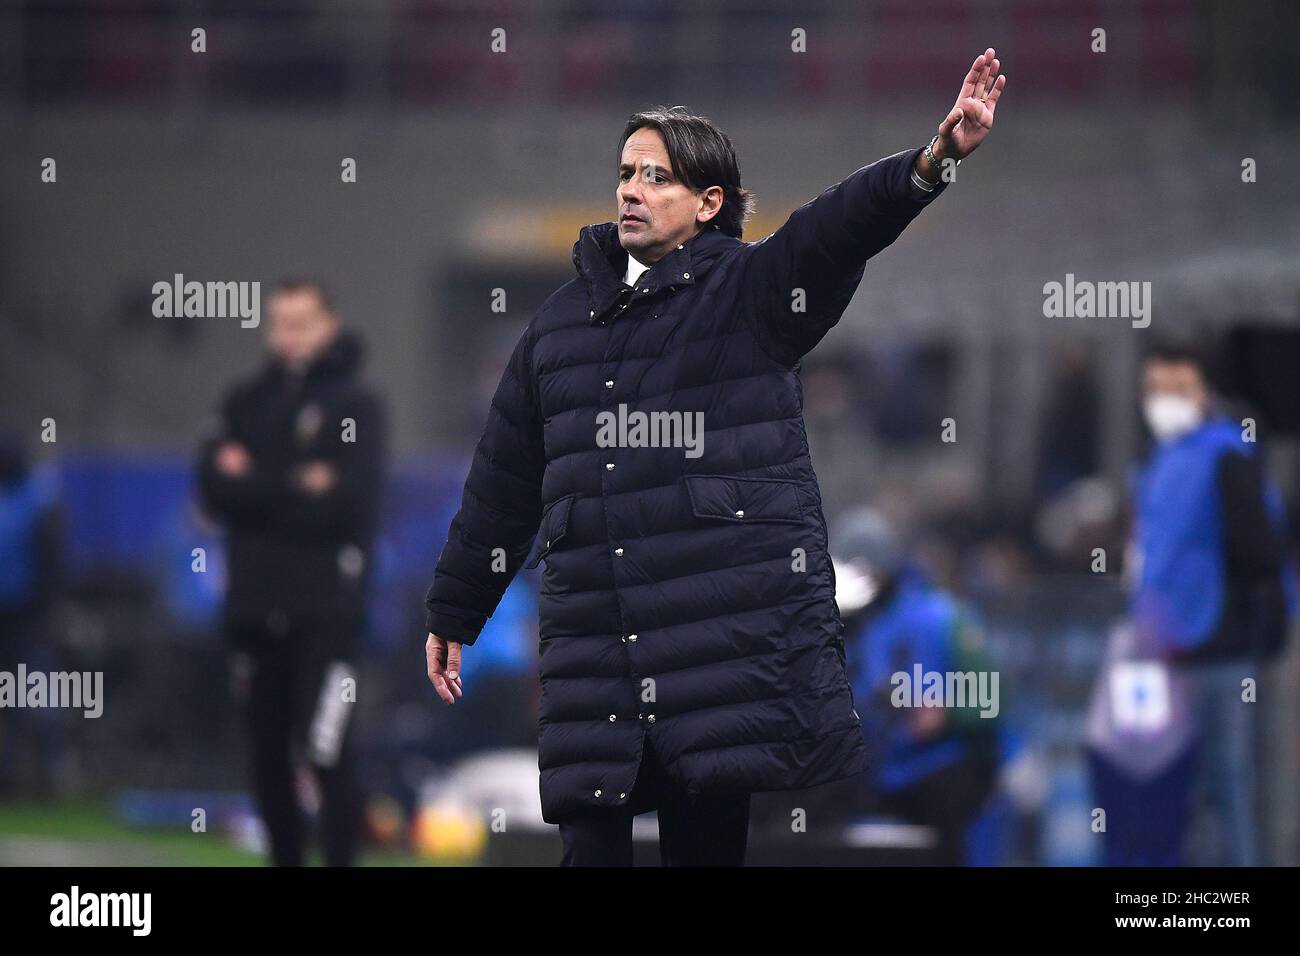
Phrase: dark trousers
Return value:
(947, 801)
(693, 831)
(295, 683)
(1146, 820)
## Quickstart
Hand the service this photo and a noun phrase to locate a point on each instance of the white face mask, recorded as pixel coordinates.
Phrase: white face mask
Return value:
(1169, 416)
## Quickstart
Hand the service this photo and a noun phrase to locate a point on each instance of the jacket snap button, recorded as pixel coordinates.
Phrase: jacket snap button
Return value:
(618, 552)
(613, 717)
(548, 542)
(609, 466)
(631, 638)
(650, 718)
(740, 514)
(593, 313)
(622, 796)
(686, 275)
(598, 793)
(609, 383)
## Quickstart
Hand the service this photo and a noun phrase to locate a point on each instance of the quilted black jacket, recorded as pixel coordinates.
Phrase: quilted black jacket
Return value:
(688, 599)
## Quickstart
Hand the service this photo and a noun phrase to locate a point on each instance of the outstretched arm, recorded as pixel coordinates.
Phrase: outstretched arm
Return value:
(799, 280)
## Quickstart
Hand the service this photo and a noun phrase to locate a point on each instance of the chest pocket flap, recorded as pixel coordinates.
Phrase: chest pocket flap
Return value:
(554, 526)
(731, 498)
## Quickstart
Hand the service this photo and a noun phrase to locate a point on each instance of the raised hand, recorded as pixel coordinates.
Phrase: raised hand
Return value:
(971, 117)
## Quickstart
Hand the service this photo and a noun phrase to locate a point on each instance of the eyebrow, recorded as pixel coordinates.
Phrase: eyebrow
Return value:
(663, 170)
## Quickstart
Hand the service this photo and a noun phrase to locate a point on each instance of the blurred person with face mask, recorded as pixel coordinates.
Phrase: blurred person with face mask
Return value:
(294, 474)
(1212, 585)
(935, 766)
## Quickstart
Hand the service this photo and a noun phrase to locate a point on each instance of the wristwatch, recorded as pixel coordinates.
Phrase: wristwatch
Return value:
(934, 160)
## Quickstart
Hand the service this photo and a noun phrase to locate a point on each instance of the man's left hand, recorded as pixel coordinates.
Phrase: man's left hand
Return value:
(971, 117)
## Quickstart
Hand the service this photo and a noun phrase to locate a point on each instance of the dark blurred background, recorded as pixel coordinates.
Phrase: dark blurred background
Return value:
(474, 171)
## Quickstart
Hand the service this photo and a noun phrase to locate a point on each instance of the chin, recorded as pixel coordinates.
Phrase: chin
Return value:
(632, 243)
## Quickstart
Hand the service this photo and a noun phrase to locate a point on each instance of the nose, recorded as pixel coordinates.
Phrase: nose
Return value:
(630, 192)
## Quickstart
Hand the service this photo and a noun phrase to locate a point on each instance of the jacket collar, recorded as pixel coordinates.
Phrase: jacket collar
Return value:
(341, 359)
(601, 261)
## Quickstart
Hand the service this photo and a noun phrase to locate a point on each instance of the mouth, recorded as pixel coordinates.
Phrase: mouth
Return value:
(627, 219)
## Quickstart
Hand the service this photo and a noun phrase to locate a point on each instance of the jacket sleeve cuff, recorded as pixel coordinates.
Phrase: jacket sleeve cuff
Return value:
(912, 156)
(452, 628)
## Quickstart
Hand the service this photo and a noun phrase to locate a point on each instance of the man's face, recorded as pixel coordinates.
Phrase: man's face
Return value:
(301, 328)
(1174, 398)
(656, 211)
(1179, 379)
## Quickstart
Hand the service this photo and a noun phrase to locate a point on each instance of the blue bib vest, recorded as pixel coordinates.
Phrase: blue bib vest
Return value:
(1181, 590)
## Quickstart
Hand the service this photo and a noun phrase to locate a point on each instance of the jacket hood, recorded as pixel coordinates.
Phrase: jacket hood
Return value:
(601, 261)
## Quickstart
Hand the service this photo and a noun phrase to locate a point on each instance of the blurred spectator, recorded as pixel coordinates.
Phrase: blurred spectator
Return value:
(836, 415)
(1212, 586)
(997, 568)
(193, 601)
(295, 475)
(1071, 424)
(30, 562)
(1085, 515)
(912, 389)
(30, 575)
(936, 766)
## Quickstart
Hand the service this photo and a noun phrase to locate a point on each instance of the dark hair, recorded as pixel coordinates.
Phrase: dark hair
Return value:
(701, 156)
(306, 283)
(1184, 351)
(1177, 351)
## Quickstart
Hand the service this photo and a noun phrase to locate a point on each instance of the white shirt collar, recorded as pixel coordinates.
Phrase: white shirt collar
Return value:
(634, 270)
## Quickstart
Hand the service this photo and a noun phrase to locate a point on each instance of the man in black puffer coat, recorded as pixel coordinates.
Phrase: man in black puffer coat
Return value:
(650, 423)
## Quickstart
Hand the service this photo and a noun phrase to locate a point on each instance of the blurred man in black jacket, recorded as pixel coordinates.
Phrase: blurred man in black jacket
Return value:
(295, 476)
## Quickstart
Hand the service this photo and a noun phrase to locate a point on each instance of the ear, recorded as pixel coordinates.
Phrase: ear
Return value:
(710, 205)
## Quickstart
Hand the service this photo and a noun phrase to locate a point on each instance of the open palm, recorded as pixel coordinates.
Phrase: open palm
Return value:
(971, 117)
